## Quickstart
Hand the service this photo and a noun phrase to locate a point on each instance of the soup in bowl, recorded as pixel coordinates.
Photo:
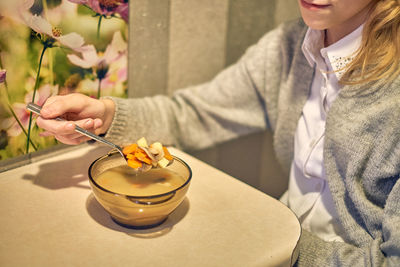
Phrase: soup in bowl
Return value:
(138, 200)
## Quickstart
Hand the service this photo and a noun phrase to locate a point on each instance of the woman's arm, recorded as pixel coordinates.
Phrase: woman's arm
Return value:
(229, 106)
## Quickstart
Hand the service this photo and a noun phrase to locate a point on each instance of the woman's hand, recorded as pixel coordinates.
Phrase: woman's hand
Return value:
(91, 114)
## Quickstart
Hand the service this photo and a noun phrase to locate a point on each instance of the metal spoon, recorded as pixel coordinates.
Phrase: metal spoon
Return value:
(36, 109)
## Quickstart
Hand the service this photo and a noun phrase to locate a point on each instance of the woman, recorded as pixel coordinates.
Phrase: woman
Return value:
(329, 91)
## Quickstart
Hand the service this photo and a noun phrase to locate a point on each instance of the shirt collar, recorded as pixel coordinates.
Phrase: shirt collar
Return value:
(338, 55)
(312, 45)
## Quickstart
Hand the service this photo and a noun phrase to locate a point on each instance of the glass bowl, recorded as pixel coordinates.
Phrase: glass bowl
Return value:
(138, 211)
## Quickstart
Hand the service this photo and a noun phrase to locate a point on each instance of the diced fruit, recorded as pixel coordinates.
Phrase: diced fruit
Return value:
(142, 142)
(163, 162)
(167, 155)
(129, 149)
(142, 156)
(130, 156)
(158, 146)
(134, 163)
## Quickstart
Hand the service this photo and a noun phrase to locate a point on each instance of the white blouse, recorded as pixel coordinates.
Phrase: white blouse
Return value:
(308, 195)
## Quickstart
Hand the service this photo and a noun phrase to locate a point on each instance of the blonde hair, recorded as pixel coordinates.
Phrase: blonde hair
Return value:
(379, 54)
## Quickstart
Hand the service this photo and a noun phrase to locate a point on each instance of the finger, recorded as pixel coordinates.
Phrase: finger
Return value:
(64, 127)
(97, 123)
(46, 134)
(55, 127)
(87, 125)
(69, 136)
(76, 135)
(74, 141)
(57, 106)
(67, 139)
(46, 110)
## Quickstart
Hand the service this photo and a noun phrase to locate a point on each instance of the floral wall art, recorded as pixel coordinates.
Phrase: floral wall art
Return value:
(56, 47)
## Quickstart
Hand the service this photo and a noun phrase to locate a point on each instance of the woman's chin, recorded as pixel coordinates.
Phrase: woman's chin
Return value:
(316, 24)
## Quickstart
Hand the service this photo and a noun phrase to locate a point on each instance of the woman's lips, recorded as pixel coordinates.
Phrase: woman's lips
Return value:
(313, 6)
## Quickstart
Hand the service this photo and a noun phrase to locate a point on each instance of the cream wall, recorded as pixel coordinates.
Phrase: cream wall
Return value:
(177, 43)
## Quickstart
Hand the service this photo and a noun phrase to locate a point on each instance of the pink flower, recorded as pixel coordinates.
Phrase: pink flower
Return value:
(19, 10)
(114, 77)
(42, 26)
(22, 114)
(107, 7)
(91, 59)
(3, 76)
(123, 11)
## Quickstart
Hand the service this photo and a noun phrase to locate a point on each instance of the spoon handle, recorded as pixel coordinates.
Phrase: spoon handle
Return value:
(36, 109)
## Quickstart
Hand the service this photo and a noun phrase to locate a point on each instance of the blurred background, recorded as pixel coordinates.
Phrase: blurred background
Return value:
(172, 44)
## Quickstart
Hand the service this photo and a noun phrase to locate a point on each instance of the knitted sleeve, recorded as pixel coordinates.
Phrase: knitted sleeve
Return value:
(229, 106)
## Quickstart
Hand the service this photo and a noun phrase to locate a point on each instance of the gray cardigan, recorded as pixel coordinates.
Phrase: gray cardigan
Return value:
(267, 89)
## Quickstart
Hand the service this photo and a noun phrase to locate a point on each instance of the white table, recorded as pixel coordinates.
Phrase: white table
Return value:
(49, 217)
